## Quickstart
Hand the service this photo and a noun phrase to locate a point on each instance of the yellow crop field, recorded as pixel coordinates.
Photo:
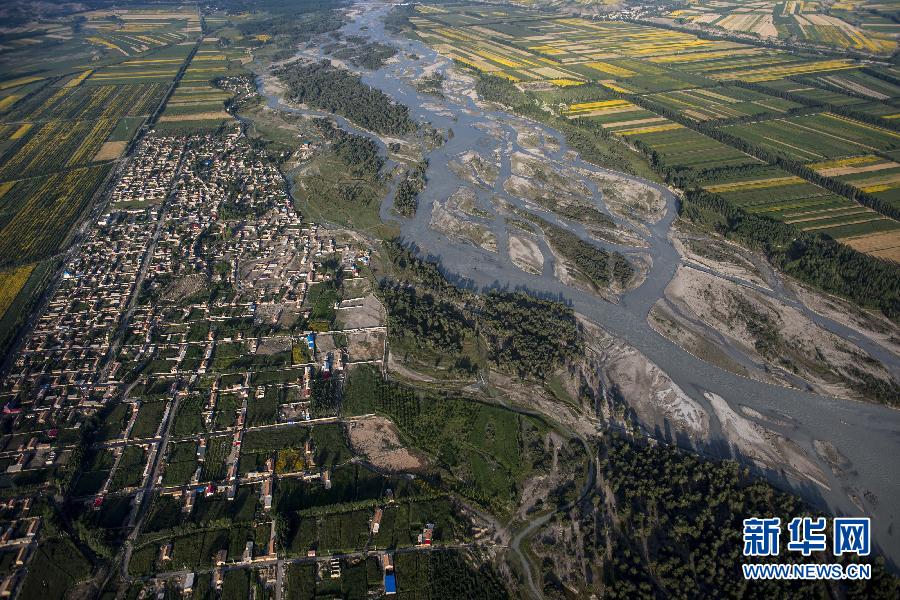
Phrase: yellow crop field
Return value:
(754, 185)
(615, 87)
(547, 50)
(153, 61)
(652, 129)
(11, 83)
(22, 130)
(853, 161)
(790, 70)
(75, 81)
(106, 43)
(11, 283)
(613, 70)
(689, 57)
(881, 187)
(9, 101)
(586, 106)
(565, 82)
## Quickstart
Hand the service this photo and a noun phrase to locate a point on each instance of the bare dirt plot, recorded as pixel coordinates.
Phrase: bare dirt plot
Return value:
(110, 151)
(361, 312)
(883, 245)
(356, 287)
(204, 116)
(183, 287)
(365, 345)
(378, 440)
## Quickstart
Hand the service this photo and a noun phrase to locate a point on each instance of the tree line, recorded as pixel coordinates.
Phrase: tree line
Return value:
(406, 199)
(518, 333)
(811, 258)
(360, 154)
(321, 85)
(678, 522)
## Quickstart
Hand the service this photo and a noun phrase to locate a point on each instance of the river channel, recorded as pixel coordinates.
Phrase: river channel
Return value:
(867, 435)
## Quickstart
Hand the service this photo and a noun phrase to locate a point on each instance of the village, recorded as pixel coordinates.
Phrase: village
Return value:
(194, 351)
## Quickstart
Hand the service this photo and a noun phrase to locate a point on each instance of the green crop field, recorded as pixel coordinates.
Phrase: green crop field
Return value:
(189, 418)
(217, 449)
(725, 102)
(181, 463)
(148, 419)
(817, 137)
(681, 148)
(130, 468)
(778, 194)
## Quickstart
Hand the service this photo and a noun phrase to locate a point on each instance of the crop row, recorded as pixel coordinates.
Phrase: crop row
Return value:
(55, 145)
(38, 213)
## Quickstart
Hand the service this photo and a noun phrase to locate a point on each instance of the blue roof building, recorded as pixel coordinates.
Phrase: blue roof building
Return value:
(390, 583)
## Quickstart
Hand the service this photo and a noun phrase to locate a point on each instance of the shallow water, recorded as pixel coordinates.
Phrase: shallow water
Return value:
(868, 435)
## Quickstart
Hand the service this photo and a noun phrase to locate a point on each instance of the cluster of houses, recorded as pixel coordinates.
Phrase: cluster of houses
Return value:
(59, 367)
(18, 535)
(58, 377)
(133, 310)
(60, 361)
(147, 175)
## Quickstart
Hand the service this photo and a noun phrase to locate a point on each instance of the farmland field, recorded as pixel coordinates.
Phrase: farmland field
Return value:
(726, 102)
(11, 283)
(868, 173)
(818, 137)
(181, 463)
(38, 213)
(777, 194)
(680, 148)
(55, 145)
(859, 83)
(217, 449)
(852, 27)
(130, 468)
(148, 419)
(88, 102)
(197, 104)
(662, 92)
